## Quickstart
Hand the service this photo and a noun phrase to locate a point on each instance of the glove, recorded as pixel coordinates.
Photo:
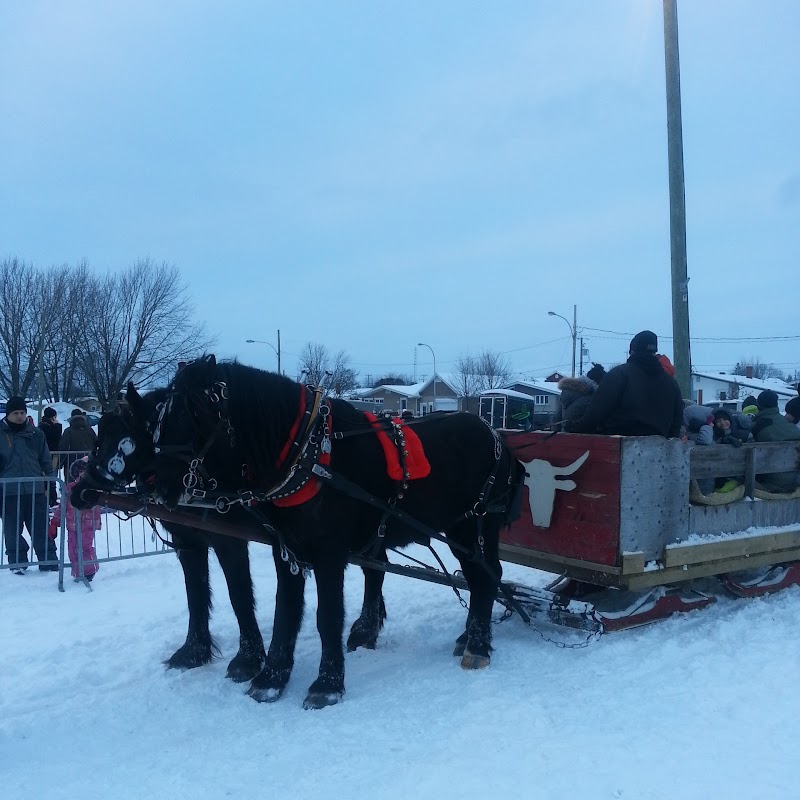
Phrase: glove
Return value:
(732, 440)
(52, 528)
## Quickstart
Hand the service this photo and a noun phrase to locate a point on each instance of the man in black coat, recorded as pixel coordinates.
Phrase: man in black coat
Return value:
(637, 398)
(52, 430)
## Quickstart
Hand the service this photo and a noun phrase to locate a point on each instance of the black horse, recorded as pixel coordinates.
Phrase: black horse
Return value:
(270, 440)
(124, 452)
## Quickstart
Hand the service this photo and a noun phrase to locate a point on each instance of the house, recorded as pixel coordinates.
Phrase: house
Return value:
(554, 378)
(713, 387)
(419, 397)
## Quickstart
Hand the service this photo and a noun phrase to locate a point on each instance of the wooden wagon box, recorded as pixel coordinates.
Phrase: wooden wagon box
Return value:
(616, 510)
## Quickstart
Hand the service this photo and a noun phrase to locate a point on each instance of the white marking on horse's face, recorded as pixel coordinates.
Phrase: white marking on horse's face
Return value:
(541, 479)
(116, 464)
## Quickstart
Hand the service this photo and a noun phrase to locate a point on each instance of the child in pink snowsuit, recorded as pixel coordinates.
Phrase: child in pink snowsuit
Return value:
(90, 520)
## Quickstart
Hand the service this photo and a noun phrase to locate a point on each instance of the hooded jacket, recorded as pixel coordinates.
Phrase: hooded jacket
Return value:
(23, 454)
(771, 426)
(635, 399)
(576, 394)
(77, 438)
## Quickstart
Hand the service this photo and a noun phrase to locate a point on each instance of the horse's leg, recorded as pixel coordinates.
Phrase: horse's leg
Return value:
(366, 628)
(475, 644)
(199, 648)
(234, 559)
(269, 684)
(328, 688)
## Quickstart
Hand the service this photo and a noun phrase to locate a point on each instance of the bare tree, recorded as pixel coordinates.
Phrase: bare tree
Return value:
(334, 372)
(313, 361)
(466, 376)
(343, 377)
(139, 326)
(393, 379)
(761, 370)
(492, 371)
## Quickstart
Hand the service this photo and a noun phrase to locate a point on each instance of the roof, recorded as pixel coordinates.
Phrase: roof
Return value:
(549, 388)
(403, 391)
(751, 383)
(508, 393)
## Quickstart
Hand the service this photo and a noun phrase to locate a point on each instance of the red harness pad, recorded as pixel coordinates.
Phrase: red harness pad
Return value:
(417, 465)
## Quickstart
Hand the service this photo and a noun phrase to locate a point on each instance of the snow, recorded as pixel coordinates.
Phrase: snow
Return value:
(699, 706)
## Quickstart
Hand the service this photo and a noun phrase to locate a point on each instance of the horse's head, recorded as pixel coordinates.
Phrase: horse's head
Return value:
(190, 426)
(123, 451)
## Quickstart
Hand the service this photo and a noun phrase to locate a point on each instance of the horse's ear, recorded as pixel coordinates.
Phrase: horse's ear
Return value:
(210, 360)
(132, 397)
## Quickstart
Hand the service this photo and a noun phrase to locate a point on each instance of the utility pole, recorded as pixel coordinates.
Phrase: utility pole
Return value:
(677, 204)
(574, 335)
(581, 368)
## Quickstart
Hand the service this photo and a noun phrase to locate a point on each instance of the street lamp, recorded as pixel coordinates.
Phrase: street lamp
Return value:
(422, 344)
(277, 350)
(573, 329)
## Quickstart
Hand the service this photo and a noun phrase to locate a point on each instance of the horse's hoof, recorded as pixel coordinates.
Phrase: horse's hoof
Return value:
(470, 661)
(243, 668)
(461, 646)
(269, 695)
(322, 699)
(188, 659)
(353, 643)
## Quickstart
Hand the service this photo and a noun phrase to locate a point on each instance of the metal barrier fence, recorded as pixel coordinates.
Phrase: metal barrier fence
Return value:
(86, 539)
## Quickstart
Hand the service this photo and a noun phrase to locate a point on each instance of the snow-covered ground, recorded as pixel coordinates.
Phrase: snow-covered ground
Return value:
(700, 706)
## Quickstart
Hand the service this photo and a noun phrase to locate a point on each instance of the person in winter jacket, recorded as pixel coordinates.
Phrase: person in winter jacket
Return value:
(81, 528)
(576, 394)
(636, 398)
(792, 412)
(77, 440)
(52, 430)
(730, 429)
(596, 373)
(699, 423)
(770, 426)
(24, 454)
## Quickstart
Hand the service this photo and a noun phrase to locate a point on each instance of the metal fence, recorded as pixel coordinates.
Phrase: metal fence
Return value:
(56, 537)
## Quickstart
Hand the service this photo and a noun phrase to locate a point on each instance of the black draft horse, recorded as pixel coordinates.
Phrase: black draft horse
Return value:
(265, 436)
(123, 453)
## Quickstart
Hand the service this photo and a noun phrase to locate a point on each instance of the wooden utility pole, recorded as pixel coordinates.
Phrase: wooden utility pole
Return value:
(677, 204)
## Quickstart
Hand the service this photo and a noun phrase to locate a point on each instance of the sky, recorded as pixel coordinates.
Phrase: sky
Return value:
(373, 175)
(702, 705)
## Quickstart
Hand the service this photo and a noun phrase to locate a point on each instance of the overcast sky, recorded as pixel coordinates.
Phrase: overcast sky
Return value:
(369, 175)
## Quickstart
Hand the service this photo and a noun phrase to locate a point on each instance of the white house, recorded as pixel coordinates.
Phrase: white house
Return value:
(713, 387)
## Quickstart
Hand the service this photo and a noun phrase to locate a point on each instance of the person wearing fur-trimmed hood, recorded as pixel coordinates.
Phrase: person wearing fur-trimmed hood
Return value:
(576, 394)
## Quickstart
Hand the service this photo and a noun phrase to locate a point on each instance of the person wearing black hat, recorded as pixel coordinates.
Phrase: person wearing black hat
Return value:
(792, 411)
(637, 398)
(52, 430)
(24, 454)
(770, 426)
(77, 440)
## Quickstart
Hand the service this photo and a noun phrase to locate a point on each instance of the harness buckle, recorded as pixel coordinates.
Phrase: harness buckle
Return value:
(479, 509)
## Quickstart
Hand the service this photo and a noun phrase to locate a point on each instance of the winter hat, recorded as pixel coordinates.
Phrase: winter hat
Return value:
(15, 403)
(596, 373)
(793, 408)
(751, 409)
(49, 412)
(77, 412)
(77, 468)
(748, 401)
(767, 399)
(644, 342)
(666, 364)
(722, 413)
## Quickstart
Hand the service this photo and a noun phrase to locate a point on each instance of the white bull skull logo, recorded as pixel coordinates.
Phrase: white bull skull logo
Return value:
(541, 478)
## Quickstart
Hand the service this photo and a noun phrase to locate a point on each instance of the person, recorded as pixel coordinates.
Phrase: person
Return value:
(52, 430)
(90, 522)
(596, 373)
(699, 423)
(76, 440)
(728, 429)
(770, 426)
(637, 398)
(792, 411)
(576, 394)
(666, 364)
(24, 454)
(749, 406)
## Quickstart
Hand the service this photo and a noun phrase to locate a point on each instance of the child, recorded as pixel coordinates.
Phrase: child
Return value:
(89, 522)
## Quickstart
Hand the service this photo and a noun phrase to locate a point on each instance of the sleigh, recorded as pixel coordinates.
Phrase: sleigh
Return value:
(624, 524)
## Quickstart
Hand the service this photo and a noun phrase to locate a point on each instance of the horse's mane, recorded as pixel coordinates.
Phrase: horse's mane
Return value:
(261, 408)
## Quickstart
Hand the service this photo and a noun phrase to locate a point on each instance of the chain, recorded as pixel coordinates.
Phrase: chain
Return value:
(592, 636)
